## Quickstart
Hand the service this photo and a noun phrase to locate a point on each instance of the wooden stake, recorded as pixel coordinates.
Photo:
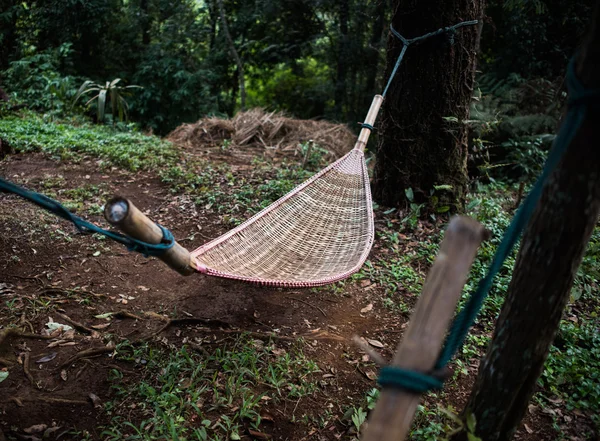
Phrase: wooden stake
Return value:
(121, 213)
(421, 345)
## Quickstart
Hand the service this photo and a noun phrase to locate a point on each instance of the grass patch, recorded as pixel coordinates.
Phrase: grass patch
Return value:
(129, 150)
(186, 394)
(235, 196)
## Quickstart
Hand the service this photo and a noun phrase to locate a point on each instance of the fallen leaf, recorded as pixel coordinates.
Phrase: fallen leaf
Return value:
(37, 428)
(528, 429)
(106, 315)
(375, 343)
(278, 352)
(50, 430)
(101, 326)
(95, 399)
(55, 343)
(371, 375)
(63, 375)
(267, 417)
(367, 308)
(3, 376)
(365, 283)
(47, 358)
(96, 254)
(69, 343)
(259, 435)
(53, 326)
(143, 288)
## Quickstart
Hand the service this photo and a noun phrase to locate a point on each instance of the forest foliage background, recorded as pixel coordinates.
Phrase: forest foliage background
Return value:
(310, 58)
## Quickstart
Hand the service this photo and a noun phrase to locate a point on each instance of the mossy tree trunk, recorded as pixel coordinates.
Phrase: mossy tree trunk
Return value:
(419, 147)
(551, 251)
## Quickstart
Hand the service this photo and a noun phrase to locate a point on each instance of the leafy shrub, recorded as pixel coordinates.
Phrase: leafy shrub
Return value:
(513, 122)
(36, 80)
(109, 92)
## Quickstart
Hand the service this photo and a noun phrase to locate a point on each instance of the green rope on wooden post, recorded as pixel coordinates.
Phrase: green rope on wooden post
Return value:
(579, 100)
(56, 208)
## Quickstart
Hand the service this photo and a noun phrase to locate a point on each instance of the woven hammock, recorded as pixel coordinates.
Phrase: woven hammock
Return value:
(320, 232)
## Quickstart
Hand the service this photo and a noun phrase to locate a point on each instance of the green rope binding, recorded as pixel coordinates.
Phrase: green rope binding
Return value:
(450, 31)
(579, 100)
(147, 249)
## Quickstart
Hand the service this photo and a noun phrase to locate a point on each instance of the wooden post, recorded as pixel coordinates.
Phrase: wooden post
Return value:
(421, 345)
(364, 134)
(121, 213)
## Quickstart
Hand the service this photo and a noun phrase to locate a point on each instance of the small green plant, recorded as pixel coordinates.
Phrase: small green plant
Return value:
(112, 92)
(359, 416)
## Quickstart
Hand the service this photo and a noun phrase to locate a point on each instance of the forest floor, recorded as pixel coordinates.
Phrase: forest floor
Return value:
(155, 355)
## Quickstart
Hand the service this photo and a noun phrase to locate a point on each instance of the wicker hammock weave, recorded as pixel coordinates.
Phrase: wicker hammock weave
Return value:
(320, 232)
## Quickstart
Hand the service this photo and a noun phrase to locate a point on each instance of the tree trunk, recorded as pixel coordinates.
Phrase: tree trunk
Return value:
(342, 64)
(419, 148)
(236, 56)
(551, 251)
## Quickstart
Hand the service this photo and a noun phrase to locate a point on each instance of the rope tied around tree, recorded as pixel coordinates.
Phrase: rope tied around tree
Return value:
(85, 227)
(580, 98)
(450, 31)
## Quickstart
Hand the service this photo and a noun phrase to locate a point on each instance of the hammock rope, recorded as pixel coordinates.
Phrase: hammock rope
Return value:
(85, 227)
(580, 98)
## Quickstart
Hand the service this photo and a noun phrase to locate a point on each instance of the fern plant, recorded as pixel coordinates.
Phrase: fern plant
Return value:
(112, 92)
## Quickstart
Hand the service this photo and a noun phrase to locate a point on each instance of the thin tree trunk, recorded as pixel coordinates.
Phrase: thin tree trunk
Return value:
(238, 60)
(342, 64)
(552, 248)
(419, 148)
(145, 22)
(373, 54)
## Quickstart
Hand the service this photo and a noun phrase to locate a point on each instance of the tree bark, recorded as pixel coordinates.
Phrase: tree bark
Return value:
(418, 148)
(552, 249)
(236, 56)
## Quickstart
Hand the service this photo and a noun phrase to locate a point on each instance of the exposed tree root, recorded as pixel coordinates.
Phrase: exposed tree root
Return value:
(92, 352)
(268, 335)
(80, 327)
(126, 314)
(309, 304)
(26, 370)
(18, 333)
(6, 362)
(190, 321)
(15, 400)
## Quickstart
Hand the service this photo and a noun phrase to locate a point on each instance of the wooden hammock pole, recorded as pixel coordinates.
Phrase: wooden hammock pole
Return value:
(363, 137)
(121, 213)
(391, 419)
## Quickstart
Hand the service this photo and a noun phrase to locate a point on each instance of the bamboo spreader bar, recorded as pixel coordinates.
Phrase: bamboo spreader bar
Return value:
(420, 348)
(363, 137)
(121, 213)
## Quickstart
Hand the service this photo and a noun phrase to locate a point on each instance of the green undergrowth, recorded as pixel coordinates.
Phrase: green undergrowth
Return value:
(213, 392)
(572, 371)
(128, 149)
(233, 195)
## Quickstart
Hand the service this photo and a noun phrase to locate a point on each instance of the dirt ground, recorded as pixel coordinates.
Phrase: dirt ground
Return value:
(45, 274)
